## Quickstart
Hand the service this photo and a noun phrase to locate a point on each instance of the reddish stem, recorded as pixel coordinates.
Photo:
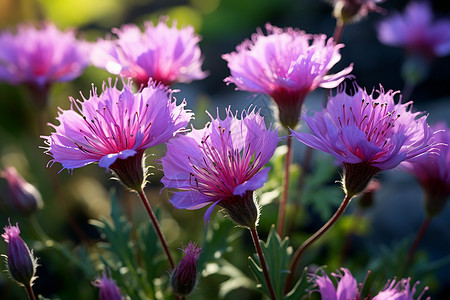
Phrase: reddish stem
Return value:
(423, 228)
(338, 31)
(312, 239)
(30, 292)
(255, 238)
(156, 226)
(284, 196)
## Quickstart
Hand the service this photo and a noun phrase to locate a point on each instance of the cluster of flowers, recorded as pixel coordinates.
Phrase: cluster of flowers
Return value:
(221, 164)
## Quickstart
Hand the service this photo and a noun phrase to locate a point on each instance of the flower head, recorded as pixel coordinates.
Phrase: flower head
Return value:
(114, 129)
(21, 261)
(433, 171)
(25, 198)
(184, 278)
(285, 64)
(165, 54)
(348, 288)
(416, 31)
(108, 288)
(221, 164)
(367, 134)
(399, 290)
(41, 56)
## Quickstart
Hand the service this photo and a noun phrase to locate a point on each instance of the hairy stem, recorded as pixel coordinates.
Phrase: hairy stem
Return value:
(255, 238)
(312, 239)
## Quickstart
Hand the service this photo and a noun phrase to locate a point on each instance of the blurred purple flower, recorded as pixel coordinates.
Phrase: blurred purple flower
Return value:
(25, 198)
(184, 277)
(348, 288)
(165, 54)
(417, 31)
(40, 56)
(20, 260)
(433, 171)
(367, 134)
(286, 64)
(108, 288)
(399, 290)
(115, 128)
(221, 164)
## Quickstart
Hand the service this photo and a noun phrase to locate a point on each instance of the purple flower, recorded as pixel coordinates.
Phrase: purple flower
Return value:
(25, 198)
(417, 31)
(367, 134)
(114, 129)
(165, 54)
(40, 56)
(399, 290)
(221, 164)
(286, 64)
(433, 171)
(108, 288)
(348, 288)
(21, 262)
(184, 278)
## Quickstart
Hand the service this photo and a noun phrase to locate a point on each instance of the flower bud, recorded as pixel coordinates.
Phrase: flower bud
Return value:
(108, 288)
(25, 198)
(184, 277)
(20, 260)
(243, 211)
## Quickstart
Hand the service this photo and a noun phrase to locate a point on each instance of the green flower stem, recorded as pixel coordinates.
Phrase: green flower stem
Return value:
(30, 292)
(156, 227)
(423, 228)
(313, 238)
(283, 199)
(255, 238)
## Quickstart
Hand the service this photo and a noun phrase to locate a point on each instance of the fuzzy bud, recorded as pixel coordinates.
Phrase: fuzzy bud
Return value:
(184, 278)
(21, 262)
(357, 177)
(25, 198)
(108, 288)
(243, 211)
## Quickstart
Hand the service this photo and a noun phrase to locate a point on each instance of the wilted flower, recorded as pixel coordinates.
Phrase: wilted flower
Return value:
(184, 278)
(114, 129)
(108, 288)
(367, 134)
(221, 164)
(38, 57)
(417, 31)
(165, 54)
(348, 289)
(25, 198)
(433, 171)
(286, 64)
(21, 261)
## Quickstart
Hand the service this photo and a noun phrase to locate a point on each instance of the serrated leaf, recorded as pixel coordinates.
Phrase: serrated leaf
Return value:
(277, 254)
(299, 290)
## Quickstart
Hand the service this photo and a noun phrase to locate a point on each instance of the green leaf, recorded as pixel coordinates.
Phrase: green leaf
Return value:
(277, 254)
